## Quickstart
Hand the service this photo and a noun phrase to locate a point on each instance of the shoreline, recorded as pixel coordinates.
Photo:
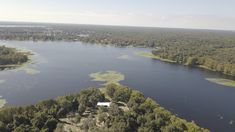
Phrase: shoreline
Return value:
(150, 55)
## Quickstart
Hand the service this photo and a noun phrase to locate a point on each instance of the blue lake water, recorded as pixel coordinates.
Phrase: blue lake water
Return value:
(64, 67)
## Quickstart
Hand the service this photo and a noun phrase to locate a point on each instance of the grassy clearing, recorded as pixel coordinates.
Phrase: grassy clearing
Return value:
(150, 55)
(108, 77)
(221, 81)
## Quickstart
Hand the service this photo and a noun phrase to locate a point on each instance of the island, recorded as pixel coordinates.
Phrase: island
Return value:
(87, 110)
(11, 57)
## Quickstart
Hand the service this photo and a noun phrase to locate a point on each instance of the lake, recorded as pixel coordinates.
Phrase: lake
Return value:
(60, 68)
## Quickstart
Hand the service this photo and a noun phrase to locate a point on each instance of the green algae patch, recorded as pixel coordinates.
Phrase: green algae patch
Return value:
(221, 81)
(124, 57)
(108, 77)
(2, 102)
(150, 55)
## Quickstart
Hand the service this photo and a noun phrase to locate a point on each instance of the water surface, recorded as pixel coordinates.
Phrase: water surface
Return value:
(64, 67)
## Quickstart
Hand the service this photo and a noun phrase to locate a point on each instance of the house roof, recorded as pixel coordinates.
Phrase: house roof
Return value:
(103, 103)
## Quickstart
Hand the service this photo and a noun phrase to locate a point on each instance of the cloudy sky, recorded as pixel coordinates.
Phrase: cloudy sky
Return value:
(203, 14)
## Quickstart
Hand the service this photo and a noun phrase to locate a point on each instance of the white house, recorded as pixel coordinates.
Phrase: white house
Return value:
(105, 104)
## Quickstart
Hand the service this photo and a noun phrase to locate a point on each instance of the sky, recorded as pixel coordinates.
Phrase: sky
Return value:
(199, 14)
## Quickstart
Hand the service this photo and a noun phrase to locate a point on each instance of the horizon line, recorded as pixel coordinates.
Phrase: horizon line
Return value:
(115, 25)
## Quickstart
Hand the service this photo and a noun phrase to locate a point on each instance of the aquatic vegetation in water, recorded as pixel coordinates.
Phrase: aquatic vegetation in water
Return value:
(124, 57)
(150, 55)
(221, 81)
(31, 71)
(28, 70)
(2, 102)
(108, 77)
(2, 81)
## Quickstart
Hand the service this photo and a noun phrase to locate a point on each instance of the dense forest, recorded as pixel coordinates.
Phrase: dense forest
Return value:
(141, 114)
(210, 49)
(10, 56)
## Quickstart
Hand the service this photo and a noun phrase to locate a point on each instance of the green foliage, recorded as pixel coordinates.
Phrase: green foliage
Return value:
(78, 118)
(10, 56)
(119, 126)
(102, 117)
(192, 61)
(51, 124)
(108, 77)
(122, 94)
(110, 89)
(136, 99)
(148, 106)
(114, 110)
(118, 93)
(81, 109)
(210, 58)
(88, 124)
(90, 97)
(2, 127)
(40, 117)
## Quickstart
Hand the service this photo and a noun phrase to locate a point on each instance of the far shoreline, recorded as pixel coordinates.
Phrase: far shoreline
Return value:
(150, 55)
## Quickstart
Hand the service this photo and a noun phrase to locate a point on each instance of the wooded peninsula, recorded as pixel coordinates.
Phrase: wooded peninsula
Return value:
(130, 110)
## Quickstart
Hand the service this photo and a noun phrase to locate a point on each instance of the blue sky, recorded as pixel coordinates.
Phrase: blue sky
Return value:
(205, 14)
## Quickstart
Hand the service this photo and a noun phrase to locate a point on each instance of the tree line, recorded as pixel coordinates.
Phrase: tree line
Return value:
(10, 56)
(215, 50)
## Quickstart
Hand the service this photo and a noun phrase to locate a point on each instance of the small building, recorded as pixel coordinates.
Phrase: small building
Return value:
(104, 104)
